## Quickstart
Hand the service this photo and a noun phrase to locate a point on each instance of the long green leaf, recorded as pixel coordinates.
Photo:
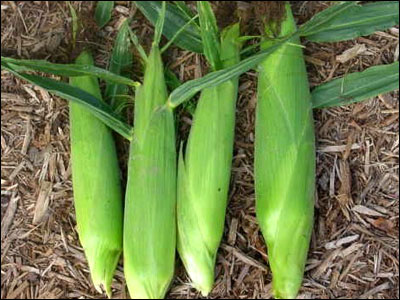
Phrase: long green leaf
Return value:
(67, 70)
(171, 80)
(175, 19)
(100, 109)
(190, 88)
(322, 20)
(139, 48)
(357, 86)
(184, 8)
(209, 34)
(103, 12)
(158, 28)
(120, 63)
(177, 34)
(349, 20)
(75, 23)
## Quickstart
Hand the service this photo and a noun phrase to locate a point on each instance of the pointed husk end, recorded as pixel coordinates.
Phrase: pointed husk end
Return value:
(150, 288)
(201, 273)
(102, 263)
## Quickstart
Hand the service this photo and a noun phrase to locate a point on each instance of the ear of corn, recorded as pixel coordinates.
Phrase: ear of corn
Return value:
(285, 162)
(204, 173)
(150, 211)
(96, 185)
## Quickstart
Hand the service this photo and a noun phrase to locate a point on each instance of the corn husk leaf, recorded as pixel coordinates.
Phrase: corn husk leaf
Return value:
(139, 48)
(120, 64)
(103, 12)
(100, 109)
(175, 19)
(184, 8)
(188, 89)
(209, 34)
(172, 81)
(75, 23)
(67, 70)
(178, 33)
(357, 86)
(349, 20)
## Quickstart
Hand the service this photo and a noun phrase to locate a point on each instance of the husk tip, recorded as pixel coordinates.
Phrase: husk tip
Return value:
(102, 264)
(205, 287)
(285, 290)
(101, 287)
(205, 291)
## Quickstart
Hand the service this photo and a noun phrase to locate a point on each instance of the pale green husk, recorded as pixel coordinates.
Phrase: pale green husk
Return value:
(285, 162)
(150, 207)
(204, 173)
(96, 185)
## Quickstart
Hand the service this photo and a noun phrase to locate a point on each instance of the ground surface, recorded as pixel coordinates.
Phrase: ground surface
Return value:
(354, 251)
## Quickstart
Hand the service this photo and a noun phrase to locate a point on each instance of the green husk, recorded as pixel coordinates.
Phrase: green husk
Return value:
(285, 161)
(204, 173)
(96, 185)
(150, 208)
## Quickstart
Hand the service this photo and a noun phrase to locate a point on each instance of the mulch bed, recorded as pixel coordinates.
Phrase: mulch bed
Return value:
(355, 246)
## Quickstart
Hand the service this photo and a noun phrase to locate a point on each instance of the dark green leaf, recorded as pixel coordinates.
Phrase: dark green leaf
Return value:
(171, 80)
(357, 86)
(175, 19)
(103, 12)
(100, 109)
(75, 23)
(190, 106)
(139, 48)
(249, 50)
(177, 34)
(184, 8)
(121, 106)
(120, 64)
(322, 20)
(67, 70)
(190, 88)
(158, 28)
(349, 20)
(209, 34)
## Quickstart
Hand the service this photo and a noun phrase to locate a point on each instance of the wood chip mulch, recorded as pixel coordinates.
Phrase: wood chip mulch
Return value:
(355, 246)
